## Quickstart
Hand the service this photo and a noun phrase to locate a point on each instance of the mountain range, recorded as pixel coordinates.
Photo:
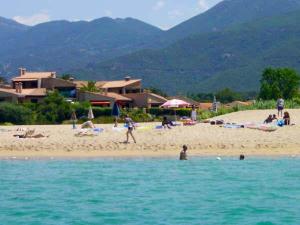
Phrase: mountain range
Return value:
(227, 46)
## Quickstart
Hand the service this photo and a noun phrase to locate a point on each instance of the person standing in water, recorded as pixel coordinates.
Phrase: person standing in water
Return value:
(280, 106)
(130, 126)
(183, 154)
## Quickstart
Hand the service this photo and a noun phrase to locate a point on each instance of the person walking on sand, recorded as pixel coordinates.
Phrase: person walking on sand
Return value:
(183, 154)
(130, 125)
(280, 106)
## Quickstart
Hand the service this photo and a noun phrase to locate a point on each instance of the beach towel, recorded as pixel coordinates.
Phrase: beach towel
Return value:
(118, 129)
(233, 126)
(88, 132)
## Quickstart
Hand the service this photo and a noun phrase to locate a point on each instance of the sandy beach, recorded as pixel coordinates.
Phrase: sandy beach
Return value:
(202, 139)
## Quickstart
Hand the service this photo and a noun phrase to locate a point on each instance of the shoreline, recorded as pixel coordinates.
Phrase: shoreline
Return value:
(145, 154)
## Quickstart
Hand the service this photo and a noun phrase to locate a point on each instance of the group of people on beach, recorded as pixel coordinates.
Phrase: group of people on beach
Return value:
(284, 115)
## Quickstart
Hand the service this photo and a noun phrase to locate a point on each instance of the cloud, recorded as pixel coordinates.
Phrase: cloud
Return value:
(159, 5)
(175, 14)
(203, 5)
(35, 19)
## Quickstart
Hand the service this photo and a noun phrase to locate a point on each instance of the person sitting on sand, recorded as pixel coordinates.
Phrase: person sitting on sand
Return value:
(269, 119)
(166, 123)
(183, 154)
(88, 124)
(286, 118)
(130, 125)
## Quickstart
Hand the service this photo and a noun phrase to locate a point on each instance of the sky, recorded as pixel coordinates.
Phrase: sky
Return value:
(161, 13)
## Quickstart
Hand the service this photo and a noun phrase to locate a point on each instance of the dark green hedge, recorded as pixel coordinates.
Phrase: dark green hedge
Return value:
(16, 114)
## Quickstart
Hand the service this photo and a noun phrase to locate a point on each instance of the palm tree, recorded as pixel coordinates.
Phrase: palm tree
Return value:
(91, 87)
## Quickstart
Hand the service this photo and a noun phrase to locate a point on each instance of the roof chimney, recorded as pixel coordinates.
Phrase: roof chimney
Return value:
(53, 74)
(127, 78)
(22, 71)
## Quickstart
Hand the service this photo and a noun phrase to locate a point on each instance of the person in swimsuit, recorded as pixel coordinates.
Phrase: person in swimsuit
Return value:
(130, 125)
(280, 106)
(269, 119)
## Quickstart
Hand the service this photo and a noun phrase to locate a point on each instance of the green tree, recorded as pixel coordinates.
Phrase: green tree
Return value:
(16, 114)
(227, 95)
(91, 87)
(2, 80)
(66, 76)
(281, 82)
(157, 91)
(54, 109)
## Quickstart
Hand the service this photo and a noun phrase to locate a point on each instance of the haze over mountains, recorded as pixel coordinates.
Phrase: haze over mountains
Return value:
(227, 46)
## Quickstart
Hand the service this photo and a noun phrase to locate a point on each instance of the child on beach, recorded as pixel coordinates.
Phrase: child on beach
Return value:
(130, 125)
(286, 118)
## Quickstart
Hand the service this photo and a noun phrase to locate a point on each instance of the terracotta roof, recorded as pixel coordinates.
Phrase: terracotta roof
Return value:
(112, 95)
(163, 99)
(34, 75)
(240, 103)
(82, 83)
(119, 83)
(205, 105)
(34, 92)
(26, 92)
(118, 97)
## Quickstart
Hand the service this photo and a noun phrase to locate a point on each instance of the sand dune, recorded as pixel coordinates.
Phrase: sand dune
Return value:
(202, 139)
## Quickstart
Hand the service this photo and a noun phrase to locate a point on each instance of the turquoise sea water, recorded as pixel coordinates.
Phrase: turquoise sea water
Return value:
(150, 191)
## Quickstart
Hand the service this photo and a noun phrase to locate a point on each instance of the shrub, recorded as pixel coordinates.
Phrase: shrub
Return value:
(16, 114)
(54, 109)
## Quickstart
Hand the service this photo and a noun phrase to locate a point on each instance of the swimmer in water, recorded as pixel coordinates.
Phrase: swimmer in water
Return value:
(183, 155)
(242, 157)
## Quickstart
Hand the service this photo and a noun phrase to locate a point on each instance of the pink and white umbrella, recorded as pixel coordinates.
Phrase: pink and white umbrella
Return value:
(175, 103)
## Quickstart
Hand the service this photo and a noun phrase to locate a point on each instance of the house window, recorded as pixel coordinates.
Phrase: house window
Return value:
(34, 100)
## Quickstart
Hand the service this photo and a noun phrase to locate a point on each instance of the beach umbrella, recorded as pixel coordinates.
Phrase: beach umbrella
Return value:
(90, 114)
(116, 110)
(175, 103)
